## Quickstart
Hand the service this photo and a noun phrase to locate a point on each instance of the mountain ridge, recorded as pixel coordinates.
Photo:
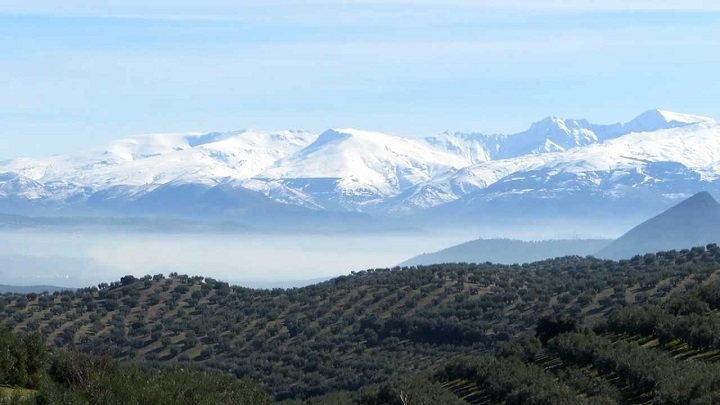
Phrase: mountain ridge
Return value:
(659, 155)
(508, 251)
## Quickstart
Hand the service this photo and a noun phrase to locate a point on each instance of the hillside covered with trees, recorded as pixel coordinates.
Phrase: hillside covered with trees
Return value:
(344, 339)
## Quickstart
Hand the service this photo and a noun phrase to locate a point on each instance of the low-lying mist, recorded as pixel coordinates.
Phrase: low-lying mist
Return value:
(83, 258)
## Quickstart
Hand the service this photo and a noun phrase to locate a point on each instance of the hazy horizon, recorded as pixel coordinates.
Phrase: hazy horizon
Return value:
(83, 258)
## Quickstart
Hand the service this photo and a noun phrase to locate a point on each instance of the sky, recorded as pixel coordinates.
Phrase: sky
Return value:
(78, 73)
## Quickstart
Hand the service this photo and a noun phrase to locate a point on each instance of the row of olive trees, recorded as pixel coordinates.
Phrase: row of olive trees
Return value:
(668, 380)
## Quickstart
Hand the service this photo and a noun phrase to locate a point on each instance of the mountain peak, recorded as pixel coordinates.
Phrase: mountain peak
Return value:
(549, 121)
(204, 139)
(553, 123)
(697, 204)
(693, 222)
(552, 134)
(344, 134)
(653, 120)
(333, 134)
(360, 133)
(680, 118)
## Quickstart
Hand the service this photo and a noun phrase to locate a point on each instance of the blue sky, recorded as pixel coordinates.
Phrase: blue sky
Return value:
(80, 73)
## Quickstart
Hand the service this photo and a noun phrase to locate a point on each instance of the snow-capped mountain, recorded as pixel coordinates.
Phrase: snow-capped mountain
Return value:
(659, 156)
(520, 157)
(349, 169)
(650, 168)
(153, 160)
(554, 134)
(129, 170)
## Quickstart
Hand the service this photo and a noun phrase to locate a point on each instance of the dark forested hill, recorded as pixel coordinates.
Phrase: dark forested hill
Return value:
(693, 222)
(352, 331)
(508, 251)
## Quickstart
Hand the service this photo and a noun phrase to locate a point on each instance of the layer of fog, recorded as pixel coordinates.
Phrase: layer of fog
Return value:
(76, 259)
(80, 259)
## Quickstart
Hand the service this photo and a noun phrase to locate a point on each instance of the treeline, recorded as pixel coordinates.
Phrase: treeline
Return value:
(69, 377)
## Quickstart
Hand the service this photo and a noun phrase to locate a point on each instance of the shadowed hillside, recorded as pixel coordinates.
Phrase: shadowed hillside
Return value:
(693, 222)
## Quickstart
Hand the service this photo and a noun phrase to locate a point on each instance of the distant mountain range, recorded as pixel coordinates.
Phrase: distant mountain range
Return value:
(507, 251)
(557, 168)
(693, 222)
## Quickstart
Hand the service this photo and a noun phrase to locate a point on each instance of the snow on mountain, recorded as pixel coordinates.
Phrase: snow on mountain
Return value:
(654, 120)
(278, 191)
(584, 146)
(355, 170)
(474, 148)
(695, 146)
(454, 185)
(349, 168)
(554, 134)
(149, 161)
(551, 134)
(663, 165)
(18, 186)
